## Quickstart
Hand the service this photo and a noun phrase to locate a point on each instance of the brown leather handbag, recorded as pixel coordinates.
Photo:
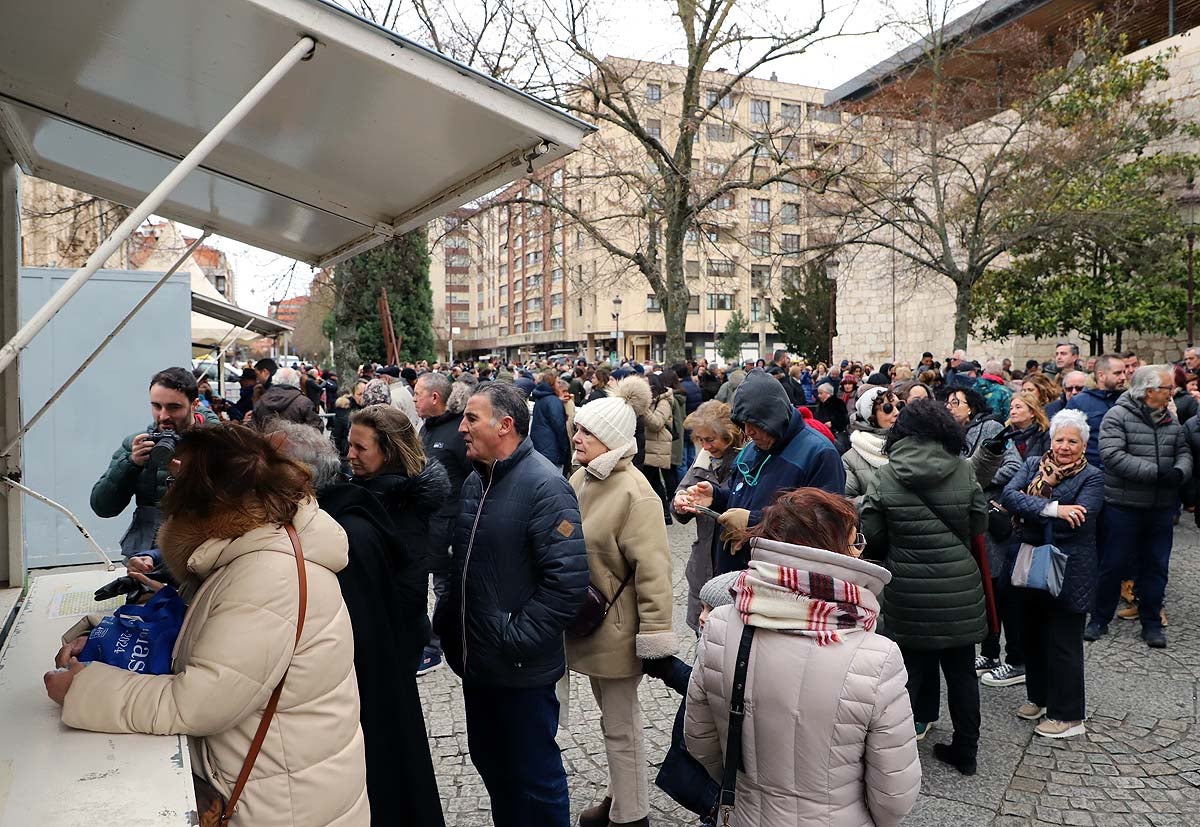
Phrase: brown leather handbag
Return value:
(213, 809)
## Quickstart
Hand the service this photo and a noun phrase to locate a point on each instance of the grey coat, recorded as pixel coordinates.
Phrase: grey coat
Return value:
(1137, 454)
(1009, 464)
(699, 568)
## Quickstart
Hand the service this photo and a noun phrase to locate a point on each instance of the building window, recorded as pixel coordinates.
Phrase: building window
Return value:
(653, 92)
(715, 167)
(789, 214)
(694, 303)
(760, 111)
(652, 305)
(856, 152)
(580, 307)
(504, 311)
(720, 301)
(517, 287)
(533, 306)
(789, 243)
(220, 284)
(534, 327)
(724, 202)
(535, 281)
(789, 113)
(760, 244)
(654, 127)
(725, 102)
(691, 235)
(556, 277)
(793, 277)
(816, 112)
(691, 269)
(760, 276)
(534, 257)
(712, 236)
(720, 132)
(517, 308)
(789, 187)
(556, 324)
(579, 239)
(504, 294)
(760, 311)
(760, 210)
(556, 300)
(720, 268)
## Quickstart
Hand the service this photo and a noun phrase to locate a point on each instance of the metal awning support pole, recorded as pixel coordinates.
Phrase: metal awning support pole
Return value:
(303, 48)
(60, 507)
(33, 420)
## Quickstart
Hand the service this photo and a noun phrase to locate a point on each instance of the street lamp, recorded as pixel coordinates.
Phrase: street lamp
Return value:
(1189, 210)
(616, 314)
(831, 274)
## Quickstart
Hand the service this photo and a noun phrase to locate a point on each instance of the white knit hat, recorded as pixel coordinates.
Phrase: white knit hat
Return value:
(867, 401)
(613, 418)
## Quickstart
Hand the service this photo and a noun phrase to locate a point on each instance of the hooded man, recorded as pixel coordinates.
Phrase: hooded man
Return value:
(781, 452)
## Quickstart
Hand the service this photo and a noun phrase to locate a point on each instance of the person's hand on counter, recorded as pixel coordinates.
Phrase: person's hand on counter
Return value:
(58, 682)
(70, 651)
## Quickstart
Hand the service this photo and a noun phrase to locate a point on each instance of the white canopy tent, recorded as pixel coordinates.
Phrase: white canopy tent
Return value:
(291, 125)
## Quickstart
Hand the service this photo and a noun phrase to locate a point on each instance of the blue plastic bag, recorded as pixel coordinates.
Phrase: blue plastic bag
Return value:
(138, 638)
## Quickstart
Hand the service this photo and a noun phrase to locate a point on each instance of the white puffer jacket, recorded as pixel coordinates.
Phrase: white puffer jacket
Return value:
(236, 642)
(828, 736)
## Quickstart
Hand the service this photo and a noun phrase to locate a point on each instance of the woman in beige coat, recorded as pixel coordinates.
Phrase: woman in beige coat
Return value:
(659, 420)
(833, 744)
(227, 546)
(626, 543)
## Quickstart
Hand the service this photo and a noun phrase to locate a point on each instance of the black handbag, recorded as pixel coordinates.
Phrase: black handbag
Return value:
(733, 740)
(1000, 524)
(594, 609)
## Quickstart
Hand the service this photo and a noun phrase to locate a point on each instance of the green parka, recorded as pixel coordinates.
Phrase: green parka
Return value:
(935, 599)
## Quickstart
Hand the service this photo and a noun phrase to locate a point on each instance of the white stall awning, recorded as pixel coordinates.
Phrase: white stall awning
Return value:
(374, 135)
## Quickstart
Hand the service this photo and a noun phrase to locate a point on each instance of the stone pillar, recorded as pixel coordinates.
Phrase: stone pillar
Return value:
(12, 545)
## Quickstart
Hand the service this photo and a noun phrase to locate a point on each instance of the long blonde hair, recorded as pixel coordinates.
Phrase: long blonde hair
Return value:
(396, 437)
(1034, 403)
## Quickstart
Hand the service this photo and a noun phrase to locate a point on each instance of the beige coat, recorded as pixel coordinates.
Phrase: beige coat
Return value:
(658, 432)
(832, 744)
(237, 640)
(624, 530)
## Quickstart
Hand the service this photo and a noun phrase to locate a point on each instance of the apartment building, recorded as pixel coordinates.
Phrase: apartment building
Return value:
(519, 277)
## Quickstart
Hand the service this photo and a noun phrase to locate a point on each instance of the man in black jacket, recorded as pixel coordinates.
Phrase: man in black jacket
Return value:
(444, 443)
(519, 577)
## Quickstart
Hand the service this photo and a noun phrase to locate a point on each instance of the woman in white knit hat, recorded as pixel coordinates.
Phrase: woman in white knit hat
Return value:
(628, 558)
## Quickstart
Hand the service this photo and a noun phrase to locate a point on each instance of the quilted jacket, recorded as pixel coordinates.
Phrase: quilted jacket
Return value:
(519, 574)
(832, 745)
(935, 599)
(1136, 453)
(699, 568)
(1079, 544)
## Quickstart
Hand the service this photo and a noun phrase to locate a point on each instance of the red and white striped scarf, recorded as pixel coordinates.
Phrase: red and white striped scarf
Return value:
(802, 602)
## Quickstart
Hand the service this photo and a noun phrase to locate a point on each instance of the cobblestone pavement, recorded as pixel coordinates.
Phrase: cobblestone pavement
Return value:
(1139, 764)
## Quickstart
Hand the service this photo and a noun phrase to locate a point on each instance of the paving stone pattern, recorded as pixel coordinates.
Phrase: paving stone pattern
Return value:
(1139, 764)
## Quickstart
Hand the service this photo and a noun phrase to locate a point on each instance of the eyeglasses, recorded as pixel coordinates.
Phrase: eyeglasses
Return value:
(954, 402)
(1170, 388)
(860, 541)
(1074, 388)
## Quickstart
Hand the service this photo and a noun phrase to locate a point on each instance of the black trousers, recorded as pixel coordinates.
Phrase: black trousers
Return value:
(1054, 656)
(664, 481)
(1010, 607)
(962, 691)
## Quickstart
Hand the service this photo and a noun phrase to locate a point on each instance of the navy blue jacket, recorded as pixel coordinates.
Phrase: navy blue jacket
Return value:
(680, 775)
(694, 396)
(1079, 544)
(1094, 403)
(519, 574)
(548, 427)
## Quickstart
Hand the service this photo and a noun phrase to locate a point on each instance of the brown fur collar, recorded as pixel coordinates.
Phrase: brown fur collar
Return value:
(180, 536)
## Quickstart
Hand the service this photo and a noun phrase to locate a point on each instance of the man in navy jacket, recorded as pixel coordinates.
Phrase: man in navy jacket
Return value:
(1096, 402)
(783, 452)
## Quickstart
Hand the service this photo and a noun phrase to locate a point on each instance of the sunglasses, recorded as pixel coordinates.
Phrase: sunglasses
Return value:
(1074, 388)
(889, 407)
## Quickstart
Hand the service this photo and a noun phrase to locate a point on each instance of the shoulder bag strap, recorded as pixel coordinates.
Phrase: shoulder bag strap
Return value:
(620, 589)
(962, 538)
(273, 703)
(737, 714)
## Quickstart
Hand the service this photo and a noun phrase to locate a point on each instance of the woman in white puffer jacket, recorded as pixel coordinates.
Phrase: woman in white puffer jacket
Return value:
(833, 743)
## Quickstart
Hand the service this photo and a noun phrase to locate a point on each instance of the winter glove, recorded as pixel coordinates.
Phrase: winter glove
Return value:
(1173, 477)
(657, 667)
(997, 444)
(734, 519)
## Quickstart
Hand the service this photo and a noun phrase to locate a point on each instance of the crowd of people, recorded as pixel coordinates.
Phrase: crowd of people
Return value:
(860, 533)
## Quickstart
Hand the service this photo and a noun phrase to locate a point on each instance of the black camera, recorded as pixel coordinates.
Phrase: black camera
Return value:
(164, 446)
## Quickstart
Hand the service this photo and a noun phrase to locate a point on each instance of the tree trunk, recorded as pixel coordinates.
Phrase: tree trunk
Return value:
(962, 312)
(675, 313)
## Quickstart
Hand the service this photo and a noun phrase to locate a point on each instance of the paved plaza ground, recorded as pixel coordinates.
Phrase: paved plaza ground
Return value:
(1139, 764)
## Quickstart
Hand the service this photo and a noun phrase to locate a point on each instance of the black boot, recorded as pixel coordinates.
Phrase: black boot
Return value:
(947, 754)
(597, 815)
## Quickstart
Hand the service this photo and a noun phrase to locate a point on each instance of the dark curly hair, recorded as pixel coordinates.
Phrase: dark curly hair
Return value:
(928, 420)
(975, 400)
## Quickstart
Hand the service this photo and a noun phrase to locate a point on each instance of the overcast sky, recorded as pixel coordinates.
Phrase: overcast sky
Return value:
(645, 30)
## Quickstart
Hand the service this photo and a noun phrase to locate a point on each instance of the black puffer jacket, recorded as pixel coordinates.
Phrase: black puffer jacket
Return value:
(519, 577)
(935, 599)
(1079, 544)
(1137, 454)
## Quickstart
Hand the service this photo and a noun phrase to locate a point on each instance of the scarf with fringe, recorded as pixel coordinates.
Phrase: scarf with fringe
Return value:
(802, 602)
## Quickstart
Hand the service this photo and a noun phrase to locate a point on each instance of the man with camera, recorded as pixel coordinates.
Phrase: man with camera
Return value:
(139, 468)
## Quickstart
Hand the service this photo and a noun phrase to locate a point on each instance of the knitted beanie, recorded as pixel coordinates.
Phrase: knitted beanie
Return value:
(867, 401)
(613, 418)
(715, 593)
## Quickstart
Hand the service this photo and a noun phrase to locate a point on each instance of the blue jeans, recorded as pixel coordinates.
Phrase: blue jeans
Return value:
(689, 456)
(510, 735)
(1139, 540)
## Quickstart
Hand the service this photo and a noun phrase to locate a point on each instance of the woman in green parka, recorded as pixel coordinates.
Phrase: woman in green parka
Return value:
(918, 515)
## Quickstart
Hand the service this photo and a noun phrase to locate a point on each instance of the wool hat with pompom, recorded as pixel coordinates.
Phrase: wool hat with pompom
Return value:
(613, 419)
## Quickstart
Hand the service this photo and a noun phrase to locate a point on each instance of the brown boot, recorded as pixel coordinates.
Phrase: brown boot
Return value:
(1127, 591)
(596, 815)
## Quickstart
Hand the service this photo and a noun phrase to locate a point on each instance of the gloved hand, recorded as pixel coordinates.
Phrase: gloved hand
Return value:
(734, 519)
(1172, 477)
(657, 667)
(997, 443)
